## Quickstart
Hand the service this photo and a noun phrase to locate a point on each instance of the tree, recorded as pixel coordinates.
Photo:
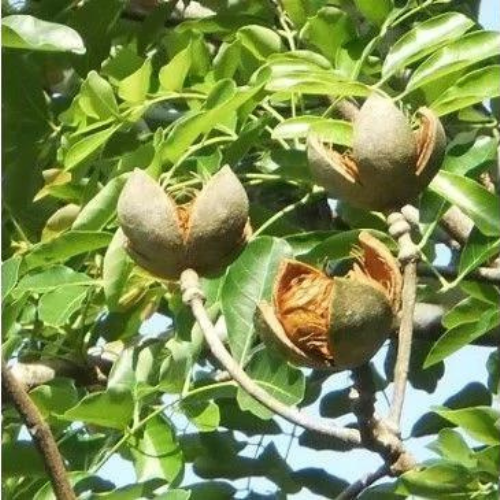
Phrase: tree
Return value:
(93, 90)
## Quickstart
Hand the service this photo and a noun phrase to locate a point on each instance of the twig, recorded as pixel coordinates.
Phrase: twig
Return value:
(408, 256)
(41, 434)
(457, 224)
(404, 341)
(193, 297)
(481, 274)
(361, 484)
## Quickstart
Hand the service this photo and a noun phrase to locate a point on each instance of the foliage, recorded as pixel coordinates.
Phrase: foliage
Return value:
(97, 88)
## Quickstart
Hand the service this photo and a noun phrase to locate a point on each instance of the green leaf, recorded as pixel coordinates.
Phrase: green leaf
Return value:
(476, 201)
(452, 446)
(96, 98)
(28, 32)
(472, 88)
(176, 495)
(53, 279)
(277, 377)
(56, 397)
(462, 335)
(134, 88)
(425, 38)
(337, 131)
(473, 394)
(462, 158)
(465, 311)
(248, 281)
(456, 56)
(111, 408)
(227, 60)
(339, 246)
(21, 458)
(187, 130)
(157, 453)
(478, 249)
(334, 131)
(116, 269)
(320, 84)
(101, 208)
(479, 422)
(173, 75)
(328, 30)
(488, 460)
(80, 481)
(88, 146)
(10, 274)
(260, 41)
(440, 479)
(56, 308)
(135, 491)
(298, 11)
(204, 415)
(375, 12)
(65, 246)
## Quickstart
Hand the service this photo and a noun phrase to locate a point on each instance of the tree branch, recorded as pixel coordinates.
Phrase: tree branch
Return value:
(41, 434)
(193, 297)
(481, 274)
(408, 256)
(377, 434)
(361, 484)
(457, 224)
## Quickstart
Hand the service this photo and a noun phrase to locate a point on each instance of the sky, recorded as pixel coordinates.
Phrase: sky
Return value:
(461, 368)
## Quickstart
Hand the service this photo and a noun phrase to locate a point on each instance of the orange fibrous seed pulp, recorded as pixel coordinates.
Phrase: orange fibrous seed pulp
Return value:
(303, 301)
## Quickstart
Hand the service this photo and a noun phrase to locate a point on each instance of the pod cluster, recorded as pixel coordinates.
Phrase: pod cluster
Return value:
(166, 238)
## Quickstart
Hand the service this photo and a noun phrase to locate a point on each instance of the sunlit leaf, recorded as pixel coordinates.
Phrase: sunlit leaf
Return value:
(248, 281)
(480, 422)
(65, 246)
(425, 38)
(157, 453)
(455, 56)
(275, 376)
(28, 32)
(10, 273)
(476, 201)
(472, 88)
(134, 88)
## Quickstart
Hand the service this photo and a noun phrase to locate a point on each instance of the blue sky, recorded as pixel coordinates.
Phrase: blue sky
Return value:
(465, 366)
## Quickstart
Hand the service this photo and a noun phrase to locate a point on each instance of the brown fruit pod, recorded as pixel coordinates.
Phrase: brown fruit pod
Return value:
(165, 238)
(389, 164)
(333, 323)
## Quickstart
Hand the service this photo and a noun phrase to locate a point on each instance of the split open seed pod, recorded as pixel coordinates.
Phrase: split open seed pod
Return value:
(389, 165)
(333, 323)
(165, 238)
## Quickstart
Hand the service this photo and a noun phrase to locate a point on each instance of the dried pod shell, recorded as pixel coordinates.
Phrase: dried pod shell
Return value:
(338, 323)
(431, 146)
(389, 164)
(165, 238)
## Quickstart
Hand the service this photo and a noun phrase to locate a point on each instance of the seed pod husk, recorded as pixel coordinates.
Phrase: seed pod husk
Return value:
(333, 323)
(165, 238)
(389, 164)
(60, 220)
